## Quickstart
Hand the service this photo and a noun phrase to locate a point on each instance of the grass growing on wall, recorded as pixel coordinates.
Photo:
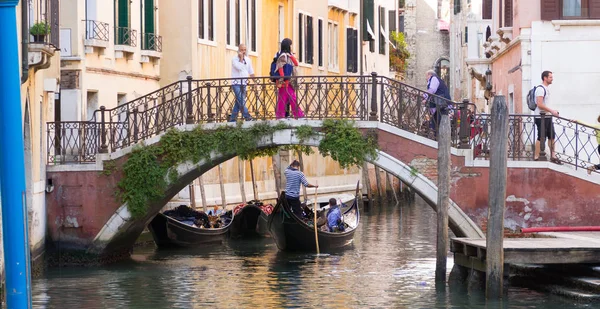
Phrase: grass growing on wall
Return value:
(150, 169)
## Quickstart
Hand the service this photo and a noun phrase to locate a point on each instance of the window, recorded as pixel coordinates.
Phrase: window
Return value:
(206, 20)
(570, 9)
(123, 31)
(306, 37)
(333, 46)
(233, 11)
(253, 25)
(320, 42)
(352, 50)
(281, 30)
(393, 17)
(382, 32)
(508, 13)
(486, 9)
(401, 24)
(457, 6)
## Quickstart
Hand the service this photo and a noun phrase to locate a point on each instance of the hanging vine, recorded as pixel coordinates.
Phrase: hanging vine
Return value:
(150, 169)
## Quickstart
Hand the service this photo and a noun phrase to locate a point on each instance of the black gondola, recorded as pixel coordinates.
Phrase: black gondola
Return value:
(293, 234)
(251, 219)
(169, 232)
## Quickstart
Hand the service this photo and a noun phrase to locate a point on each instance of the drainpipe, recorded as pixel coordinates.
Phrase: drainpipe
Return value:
(24, 41)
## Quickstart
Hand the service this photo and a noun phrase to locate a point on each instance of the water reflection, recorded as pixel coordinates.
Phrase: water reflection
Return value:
(390, 265)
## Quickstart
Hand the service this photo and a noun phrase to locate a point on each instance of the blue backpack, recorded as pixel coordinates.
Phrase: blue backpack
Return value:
(288, 70)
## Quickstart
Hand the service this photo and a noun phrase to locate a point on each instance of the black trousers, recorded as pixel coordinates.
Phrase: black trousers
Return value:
(296, 205)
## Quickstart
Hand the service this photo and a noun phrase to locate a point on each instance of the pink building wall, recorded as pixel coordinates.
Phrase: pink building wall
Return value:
(504, 73)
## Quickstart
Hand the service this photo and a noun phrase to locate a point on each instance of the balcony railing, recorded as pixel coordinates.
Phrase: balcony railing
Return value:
(151, 41)
(125, 36)
(46, 29)
(96, 30)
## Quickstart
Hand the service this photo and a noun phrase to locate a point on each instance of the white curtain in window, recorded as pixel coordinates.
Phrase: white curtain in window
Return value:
(571, 7)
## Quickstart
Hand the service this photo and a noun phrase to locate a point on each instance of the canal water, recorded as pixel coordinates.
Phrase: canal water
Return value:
(390, 265)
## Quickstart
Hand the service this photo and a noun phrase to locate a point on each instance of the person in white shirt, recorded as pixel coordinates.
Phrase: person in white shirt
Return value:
(241, 68)
(542, 99)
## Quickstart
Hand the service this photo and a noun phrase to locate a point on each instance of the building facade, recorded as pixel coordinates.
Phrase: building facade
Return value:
(469, 29)
(529, 37)
(40, 72)
(426, 28)
(111, 53)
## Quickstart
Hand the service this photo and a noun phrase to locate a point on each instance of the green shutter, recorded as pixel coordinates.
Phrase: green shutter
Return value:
(369, 15)
(123, 21)
(148, 33)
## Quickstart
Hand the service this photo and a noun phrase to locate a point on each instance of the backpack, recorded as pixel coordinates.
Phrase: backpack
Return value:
(531, 102)
(288, 70)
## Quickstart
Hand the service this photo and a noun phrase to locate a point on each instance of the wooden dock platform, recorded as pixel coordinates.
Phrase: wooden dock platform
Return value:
(554, 248)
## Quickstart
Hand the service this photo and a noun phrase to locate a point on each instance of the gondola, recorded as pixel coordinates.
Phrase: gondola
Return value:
(251, 219)
(294, 234)
(177, 231)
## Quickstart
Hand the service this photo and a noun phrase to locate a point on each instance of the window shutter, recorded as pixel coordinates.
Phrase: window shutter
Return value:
(401, 24)
(508, 13)
(486, 9)
(309, 40)
(368, 16)
(55, 23)
(320, 36)
(456, 6)
(348, 50)
(228, 19)
(393, 17)
(300, 38)
(238, 23)
(382, 41)
(595, 9)
(201, 19)
(211, 31)
(355, 48)
(550, 9)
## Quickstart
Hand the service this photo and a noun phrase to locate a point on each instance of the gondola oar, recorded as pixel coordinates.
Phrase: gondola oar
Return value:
(315, 220)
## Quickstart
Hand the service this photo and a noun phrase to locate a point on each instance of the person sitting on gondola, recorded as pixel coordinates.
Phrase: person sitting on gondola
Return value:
(294, 178)
(334, 217)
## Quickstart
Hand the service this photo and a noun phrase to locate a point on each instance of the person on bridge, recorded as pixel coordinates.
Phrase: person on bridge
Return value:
(286, 67)
(241, 68)
(294, 178)
(437, 86)
(542, 98)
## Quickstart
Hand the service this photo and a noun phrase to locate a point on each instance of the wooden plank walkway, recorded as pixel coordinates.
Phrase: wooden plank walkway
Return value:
(562, 249)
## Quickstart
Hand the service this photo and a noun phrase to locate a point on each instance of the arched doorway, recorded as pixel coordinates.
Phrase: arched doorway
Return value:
(442, 69)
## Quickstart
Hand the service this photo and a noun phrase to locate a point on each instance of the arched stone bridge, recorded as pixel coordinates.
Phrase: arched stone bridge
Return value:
(84, 215)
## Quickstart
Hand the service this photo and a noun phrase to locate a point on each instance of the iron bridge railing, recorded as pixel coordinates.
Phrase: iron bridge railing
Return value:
(372, 98)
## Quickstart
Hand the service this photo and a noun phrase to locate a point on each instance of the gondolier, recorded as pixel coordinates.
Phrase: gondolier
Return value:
(294, 178)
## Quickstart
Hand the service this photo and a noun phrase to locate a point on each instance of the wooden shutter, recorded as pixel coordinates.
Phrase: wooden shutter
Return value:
(228, 20)
(55, 23)
(550, 9)
(253, 23)
(348, 50)
(508, 13)
(201, 19)
(211, 23)
(309, 40)
(401, 24)
(368, 16)
(320, 36)
(355, 49)
(595, 9)
(300, 38)
(393, 16)
(238, 23)
(486, 9)
(382, 40)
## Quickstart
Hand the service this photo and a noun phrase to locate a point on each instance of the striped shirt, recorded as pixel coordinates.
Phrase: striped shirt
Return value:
(294, 178)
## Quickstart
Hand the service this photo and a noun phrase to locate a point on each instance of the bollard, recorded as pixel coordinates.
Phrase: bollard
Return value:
(497, 194)
(444, 141)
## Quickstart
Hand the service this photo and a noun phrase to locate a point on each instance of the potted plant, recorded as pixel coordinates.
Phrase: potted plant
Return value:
(39, 31)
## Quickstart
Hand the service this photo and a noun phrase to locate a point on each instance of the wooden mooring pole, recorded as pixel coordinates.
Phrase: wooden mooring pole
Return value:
(380, 192)
(202, 194)
(222, 186)
(443, 201)
(497, 195)
(242, 179)
(253, 181)
(367, 183)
